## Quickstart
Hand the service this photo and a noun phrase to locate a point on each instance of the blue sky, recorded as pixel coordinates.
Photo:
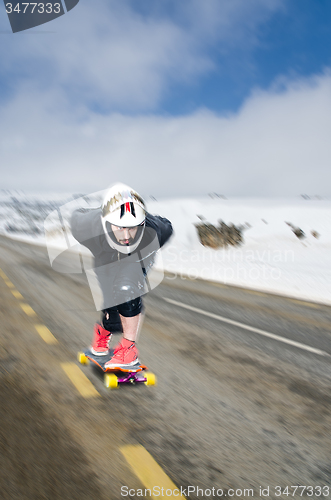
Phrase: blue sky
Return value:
(207, 95)
(294, 41)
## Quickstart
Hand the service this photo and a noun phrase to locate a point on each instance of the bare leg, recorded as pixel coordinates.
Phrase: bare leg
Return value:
(131, 326)
(126, 352)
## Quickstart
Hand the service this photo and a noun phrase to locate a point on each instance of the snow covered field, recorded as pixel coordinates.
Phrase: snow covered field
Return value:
(271, 258)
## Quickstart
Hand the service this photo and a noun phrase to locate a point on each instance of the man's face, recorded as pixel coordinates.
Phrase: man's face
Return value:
(124, 235)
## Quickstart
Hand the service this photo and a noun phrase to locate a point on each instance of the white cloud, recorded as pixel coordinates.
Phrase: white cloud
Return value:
(277, 144)
(109, 55)
(231, 21)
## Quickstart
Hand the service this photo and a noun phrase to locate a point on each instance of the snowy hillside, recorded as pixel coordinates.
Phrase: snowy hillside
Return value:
(272, 258)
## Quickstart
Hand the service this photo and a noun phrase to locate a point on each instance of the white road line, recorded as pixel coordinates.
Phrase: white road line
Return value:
(249, 328)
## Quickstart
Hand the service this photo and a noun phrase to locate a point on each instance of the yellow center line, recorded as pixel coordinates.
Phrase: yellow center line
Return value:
(17, 294)
(27, 309)
(77, 377)
(83, 385)
(144, 466)
(6, 279)
(46, 334)
(43, 331)
(2, 274)
(9, 283)
(149, 472)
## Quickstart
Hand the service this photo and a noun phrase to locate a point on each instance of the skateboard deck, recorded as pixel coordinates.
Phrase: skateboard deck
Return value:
(118, 375)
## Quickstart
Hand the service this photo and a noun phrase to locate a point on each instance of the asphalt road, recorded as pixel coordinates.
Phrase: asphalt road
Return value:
(243, 397)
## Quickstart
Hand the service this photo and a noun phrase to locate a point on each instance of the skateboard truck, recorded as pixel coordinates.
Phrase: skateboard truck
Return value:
(115, 376)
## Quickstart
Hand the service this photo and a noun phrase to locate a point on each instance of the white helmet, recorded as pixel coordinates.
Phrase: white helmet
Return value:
(124, 208)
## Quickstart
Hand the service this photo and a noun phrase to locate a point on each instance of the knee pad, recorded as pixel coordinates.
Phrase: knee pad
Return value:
(111, 321)
(127, 293)
(131, 307)
(126, 290)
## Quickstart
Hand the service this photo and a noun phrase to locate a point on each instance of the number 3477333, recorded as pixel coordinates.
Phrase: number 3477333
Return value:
(33, 8)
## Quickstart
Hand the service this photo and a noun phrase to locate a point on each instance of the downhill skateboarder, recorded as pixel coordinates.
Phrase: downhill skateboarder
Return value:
(123, 238)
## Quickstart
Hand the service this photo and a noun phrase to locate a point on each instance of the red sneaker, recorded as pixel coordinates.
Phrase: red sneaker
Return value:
(100, 341)
(125, 355)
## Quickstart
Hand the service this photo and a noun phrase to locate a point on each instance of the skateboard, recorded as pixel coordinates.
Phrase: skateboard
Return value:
(115, 376)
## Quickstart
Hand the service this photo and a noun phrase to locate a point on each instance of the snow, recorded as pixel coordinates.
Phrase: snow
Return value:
(271, 259)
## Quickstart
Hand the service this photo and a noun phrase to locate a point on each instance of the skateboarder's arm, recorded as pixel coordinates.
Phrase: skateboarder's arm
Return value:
(86, 227)
(161, 225)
